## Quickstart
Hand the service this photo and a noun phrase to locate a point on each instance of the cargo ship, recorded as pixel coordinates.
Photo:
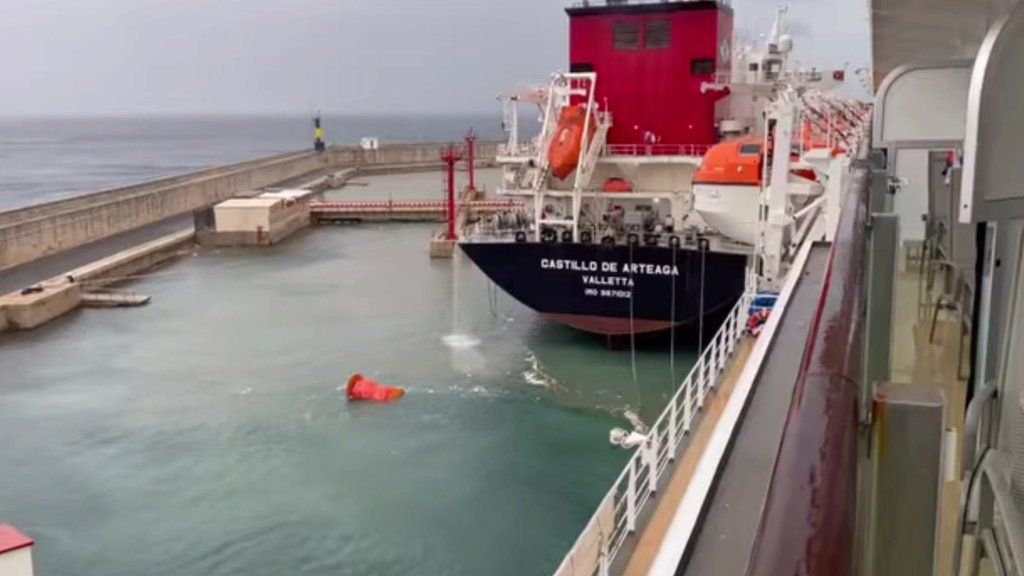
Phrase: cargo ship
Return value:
(619, 235)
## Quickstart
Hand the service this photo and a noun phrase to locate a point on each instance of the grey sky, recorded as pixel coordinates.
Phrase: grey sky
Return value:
(273, 56)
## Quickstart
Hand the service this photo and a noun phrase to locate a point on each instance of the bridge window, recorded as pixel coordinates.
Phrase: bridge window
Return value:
(627, 36)
(750, 149)
(702, 67)
(657, 34)
(581, 67)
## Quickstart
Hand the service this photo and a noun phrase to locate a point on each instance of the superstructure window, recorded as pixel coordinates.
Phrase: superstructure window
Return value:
(657, 34)
(702, 67)
(581, 67)
(627, 36)
(750, 149)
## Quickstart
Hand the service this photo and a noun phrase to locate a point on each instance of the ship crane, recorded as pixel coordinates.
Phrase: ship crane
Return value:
(537, 95)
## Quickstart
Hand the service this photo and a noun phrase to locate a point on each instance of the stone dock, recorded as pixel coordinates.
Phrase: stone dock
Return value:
(52, 253)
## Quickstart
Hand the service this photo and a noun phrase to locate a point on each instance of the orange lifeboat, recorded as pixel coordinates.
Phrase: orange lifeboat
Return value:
(564, 154)
(362, 388)
(735, 162)
(617, 186)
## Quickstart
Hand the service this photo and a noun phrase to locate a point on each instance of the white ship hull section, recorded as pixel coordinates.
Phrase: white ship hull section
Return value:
(729, 209)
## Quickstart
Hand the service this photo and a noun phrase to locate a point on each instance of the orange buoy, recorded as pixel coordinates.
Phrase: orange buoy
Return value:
(362, 388)
(564, 154)
(617, 186)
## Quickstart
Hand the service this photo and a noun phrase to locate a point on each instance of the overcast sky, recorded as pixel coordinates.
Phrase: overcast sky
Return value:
(295, 56)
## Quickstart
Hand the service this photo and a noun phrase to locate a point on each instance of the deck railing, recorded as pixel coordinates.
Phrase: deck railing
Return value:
(617, 515)
(697, 150)
(809, 518)
(656, 149)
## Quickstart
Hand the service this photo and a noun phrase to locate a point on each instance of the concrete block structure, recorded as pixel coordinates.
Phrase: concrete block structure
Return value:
(261, 221)
(30, 309)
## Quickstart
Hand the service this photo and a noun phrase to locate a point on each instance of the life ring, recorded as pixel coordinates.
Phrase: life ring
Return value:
(520, 237)
(756, 322)
(549, 236)
(617, 186)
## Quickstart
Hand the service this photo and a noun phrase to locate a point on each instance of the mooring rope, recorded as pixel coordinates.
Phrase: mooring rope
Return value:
(632, 333)
(703, 247)
(672, 330)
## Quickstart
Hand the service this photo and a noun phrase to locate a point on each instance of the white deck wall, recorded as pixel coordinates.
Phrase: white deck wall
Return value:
(16, 563)
(912, 201)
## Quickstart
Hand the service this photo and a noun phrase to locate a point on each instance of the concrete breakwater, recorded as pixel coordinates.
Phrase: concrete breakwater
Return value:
(31, 233)
(36, 232)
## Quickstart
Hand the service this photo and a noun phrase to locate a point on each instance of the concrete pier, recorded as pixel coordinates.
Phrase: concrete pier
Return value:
(111, 236)
(32, 307)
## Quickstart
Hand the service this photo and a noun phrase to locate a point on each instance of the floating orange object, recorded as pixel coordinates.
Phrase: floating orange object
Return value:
(564, 154)
(362, 388)
(617, 186)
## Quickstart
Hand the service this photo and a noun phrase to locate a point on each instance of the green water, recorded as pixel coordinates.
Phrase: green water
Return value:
(208, 433)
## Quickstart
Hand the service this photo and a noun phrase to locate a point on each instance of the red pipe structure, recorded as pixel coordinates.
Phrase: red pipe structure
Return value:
(471, 139)
(450, 156)
(808, 522)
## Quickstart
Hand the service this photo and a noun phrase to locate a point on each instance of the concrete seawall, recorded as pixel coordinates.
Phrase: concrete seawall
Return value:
(30, 233)
(60, 295)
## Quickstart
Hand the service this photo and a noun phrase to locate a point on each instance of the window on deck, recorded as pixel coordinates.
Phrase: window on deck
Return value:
(627, 36)
(702, 67)
(657, 34)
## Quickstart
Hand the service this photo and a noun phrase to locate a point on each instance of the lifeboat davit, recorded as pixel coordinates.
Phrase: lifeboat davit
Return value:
(362, 388)
(617, 186)
(564, 154)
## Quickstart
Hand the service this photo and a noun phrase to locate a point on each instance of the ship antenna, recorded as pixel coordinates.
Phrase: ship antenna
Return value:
(777, 27)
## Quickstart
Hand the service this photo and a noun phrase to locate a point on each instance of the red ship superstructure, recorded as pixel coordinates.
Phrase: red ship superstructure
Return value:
(652, 60)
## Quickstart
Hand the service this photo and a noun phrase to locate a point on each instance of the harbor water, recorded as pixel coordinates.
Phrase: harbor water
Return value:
(208, 433)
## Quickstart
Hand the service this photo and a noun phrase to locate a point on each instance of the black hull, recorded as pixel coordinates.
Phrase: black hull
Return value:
(593, 287)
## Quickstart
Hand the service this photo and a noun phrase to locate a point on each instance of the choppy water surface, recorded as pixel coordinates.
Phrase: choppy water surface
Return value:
(44, 159)
(208, 433)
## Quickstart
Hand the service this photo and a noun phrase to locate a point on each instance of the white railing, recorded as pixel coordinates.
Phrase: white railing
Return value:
(616, 518)
(596, 3)
(656, 149)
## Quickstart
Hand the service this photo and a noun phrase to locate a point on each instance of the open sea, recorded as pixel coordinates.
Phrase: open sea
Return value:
(208, 433)
(44, 159)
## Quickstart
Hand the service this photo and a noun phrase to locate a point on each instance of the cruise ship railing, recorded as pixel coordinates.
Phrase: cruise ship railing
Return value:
(808, 523)
(616, 518)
